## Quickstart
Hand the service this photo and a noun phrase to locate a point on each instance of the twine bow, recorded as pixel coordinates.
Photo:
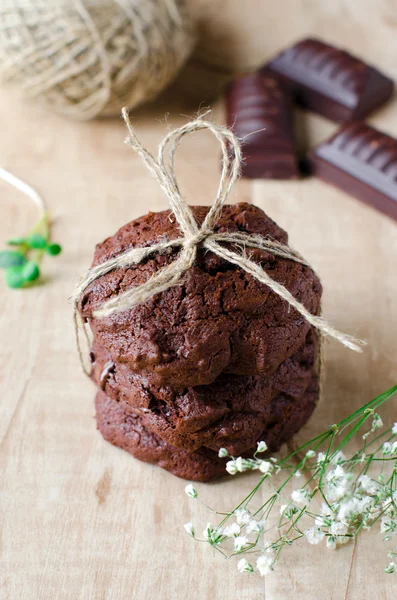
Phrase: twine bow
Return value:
(195, 236)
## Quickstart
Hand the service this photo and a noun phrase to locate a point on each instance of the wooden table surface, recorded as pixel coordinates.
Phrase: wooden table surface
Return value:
(80, 519)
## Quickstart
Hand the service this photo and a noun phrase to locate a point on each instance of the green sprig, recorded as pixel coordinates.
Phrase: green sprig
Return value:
(22, 263)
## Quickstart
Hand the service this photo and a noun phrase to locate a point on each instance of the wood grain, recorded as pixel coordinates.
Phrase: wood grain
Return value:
(82, 520)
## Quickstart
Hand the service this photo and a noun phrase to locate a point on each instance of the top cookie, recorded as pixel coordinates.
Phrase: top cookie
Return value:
(219, 319)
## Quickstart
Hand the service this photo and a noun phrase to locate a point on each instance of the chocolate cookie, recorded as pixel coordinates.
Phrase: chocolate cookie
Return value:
(231, 412)
(219, 319)
(127, 431)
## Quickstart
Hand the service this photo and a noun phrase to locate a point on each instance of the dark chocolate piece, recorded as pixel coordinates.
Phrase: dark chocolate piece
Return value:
(361, 161)
(330, 81)
(259, 110)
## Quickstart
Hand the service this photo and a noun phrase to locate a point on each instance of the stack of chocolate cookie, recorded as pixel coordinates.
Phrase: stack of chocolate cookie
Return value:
(217, 361)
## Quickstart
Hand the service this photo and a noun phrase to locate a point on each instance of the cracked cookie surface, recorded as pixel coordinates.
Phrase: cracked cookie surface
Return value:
(218, 320)
(127, 431)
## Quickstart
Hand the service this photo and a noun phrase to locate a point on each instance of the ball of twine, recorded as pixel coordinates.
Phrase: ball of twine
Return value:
(86, 58)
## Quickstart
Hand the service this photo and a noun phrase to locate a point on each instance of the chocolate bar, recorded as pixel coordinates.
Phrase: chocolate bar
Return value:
(330, 81)
(362, 162)
(259, 110)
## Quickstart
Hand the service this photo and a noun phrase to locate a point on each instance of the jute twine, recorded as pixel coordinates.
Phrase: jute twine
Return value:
(85, 58)
(195, 237)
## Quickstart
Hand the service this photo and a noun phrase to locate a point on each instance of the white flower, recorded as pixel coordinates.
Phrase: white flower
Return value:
(386, 448)
(300, 496)
(314, 535)
(310, 454)
(238, 465)
(231, 467)
(232, 530)
(388, 525)
(298, 474)
(336, 473)
(255, 526)
(240, 543)
(377, 422)
(347, 511)
(283, 508)
(244, 567)
(321, 458)
(190, 491)
(222, 453)
(242, 516)
(189, 528)
(264, 564)
(265, 466)
(262, 447)
(394, 429)
(331, 543)
(338, 458)
(391, 568)
(368, 484)
(338, 528)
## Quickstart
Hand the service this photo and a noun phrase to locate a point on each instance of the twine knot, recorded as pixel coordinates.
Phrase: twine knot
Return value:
(197, 238)
(193, 235)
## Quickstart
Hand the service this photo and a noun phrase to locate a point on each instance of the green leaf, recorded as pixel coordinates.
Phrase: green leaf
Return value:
(11, 258)
(36, 241)
(14, 277)
(30, 271)
(53, 249)
(16, 241)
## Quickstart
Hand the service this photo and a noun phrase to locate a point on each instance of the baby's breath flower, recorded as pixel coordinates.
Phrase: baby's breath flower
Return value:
(231, 467)
(353, 498)
(240, 543)
(189, 528)
(264, 564)
(212, 535)
(244, 566)
(314, 535)
(376, 424)
(300, 496)
(262, 447)
(338, 458)
(331, 542)
(265, 466)
(242, 516)
(191, 491)
(232, 530)
(223, 453)
(338, 528)
(386, 448)
(388, 524)
(255, 526)
(368, 484)
(239, 465)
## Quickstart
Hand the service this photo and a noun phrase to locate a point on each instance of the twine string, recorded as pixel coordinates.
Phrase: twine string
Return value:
(195, 236)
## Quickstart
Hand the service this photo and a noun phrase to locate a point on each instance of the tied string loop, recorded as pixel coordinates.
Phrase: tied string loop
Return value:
(195, 236)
